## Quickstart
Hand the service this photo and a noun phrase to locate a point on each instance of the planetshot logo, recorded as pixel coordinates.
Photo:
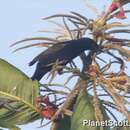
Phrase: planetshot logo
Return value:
(109, 123)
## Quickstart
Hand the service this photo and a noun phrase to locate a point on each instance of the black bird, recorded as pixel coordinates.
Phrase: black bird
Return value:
(63, 52)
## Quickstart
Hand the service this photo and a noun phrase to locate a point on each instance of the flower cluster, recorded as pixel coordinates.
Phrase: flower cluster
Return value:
(116, 5)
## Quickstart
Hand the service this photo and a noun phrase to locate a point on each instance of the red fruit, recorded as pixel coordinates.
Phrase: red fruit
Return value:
(48, 112)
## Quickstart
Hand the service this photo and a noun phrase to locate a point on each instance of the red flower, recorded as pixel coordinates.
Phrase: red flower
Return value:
(42, 99)
(47, 108)
(48, 112)
(121, 14)
(114, 6)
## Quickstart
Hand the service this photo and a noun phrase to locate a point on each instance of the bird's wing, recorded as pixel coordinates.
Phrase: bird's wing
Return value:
(48, 54)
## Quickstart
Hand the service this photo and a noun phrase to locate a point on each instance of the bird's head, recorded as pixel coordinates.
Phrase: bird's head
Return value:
(90, 44)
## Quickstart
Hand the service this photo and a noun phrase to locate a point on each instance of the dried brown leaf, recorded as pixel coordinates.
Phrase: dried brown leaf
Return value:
(123, 51)
(115, 24)
(35, 39)
(32, 45)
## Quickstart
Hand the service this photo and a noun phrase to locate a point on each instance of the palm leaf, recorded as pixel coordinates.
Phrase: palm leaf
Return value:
(19, 93)
(62, 124)
(122, 127)
(84, 110)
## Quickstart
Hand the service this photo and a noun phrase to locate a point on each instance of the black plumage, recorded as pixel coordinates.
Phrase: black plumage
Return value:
(63, 52)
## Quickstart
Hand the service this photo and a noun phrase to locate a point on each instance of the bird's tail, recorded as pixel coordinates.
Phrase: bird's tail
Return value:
(36, 77)
(33, 61)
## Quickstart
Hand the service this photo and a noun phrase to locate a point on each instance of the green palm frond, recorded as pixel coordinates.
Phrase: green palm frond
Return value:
(17, 96)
